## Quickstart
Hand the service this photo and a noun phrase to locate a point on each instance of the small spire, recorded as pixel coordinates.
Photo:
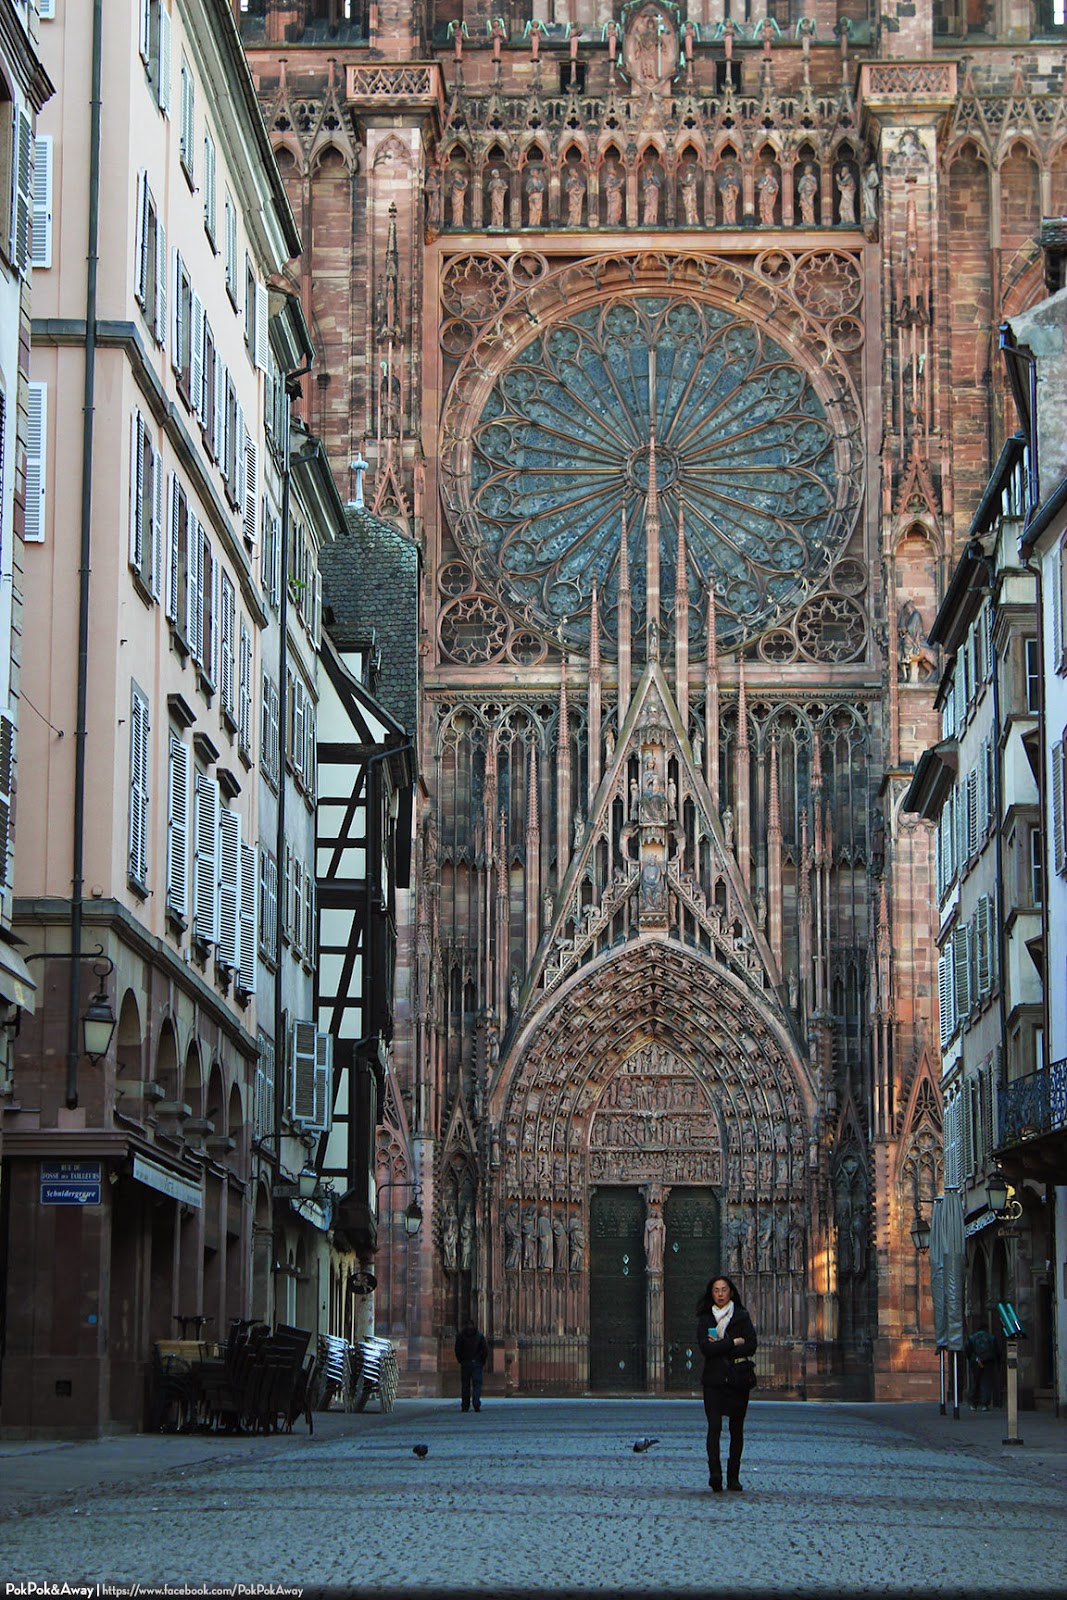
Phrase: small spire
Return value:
(594, 633)
(533, 817)
(713, 642)
(624, 557)
(742, 706)
(773, 812)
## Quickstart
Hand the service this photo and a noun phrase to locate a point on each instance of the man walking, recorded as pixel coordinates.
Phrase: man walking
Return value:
(982, 1353)
(472, 1353)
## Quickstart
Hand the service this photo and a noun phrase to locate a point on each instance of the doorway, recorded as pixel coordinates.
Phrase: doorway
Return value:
(617, 1335)
(691, 1257)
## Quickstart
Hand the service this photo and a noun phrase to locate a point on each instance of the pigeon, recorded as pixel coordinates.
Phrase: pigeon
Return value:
(420, 1450)
(641, 1445)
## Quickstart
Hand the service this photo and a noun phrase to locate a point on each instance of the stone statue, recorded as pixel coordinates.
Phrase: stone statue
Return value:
(633, 797)
(457, 184)
(535, 196)
(433, 198)
(807, 193)
(672, 795)
(650, 187)
(513, 991)
(761, 908)
(796, 1240)
(655, 1235)
(498, 193)
(559, 1244)
(466, 1238)
(767, 187)
(577, 1238)
(450, 1239)
(730, 190)
(690, 195)
(794, 991)
(613, 184)
(511, 1237)
(728, 828)
(859, 1242)
(609, 746)
(544, 1240)
(846, 196)
(871, 183)
(529, 1237)
(917, 660)
(575, 187)
(698, 748)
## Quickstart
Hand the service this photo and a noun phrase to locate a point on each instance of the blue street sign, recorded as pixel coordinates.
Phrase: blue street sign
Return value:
(71, 1183)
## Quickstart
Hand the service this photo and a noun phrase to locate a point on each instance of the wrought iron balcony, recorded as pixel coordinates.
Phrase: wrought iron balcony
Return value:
(1032, 1115)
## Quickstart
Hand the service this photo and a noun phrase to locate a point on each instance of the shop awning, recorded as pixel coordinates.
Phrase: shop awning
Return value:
(166, 1182)
(16, 985)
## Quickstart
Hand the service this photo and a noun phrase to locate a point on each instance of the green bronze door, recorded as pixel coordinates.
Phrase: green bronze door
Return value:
(691, 1257)
(617, 1357)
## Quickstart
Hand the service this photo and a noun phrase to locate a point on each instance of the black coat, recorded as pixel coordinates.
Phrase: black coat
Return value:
(720, 1354)
(471, 1346)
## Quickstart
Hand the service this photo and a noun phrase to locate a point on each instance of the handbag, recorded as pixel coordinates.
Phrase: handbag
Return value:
(745, 1373)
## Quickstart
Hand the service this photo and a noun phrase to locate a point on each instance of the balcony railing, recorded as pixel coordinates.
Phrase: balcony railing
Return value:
(1034, 1105)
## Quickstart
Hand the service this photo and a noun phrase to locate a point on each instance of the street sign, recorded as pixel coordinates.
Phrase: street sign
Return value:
(71, 1183)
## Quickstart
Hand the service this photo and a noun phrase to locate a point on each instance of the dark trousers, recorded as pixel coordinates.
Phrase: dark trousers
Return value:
(983, 1380)
(471, 1377)
(719, 1403)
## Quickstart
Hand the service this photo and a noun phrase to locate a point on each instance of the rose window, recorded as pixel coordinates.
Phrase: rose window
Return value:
(745, 444)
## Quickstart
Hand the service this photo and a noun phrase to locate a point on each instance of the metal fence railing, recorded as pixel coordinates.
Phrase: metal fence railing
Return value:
(1033, 1105)
(564, 1364)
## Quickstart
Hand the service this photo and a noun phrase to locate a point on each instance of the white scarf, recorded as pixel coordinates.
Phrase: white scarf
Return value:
(722, 1315)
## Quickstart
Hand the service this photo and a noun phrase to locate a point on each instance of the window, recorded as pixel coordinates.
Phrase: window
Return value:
(1059, 843)
(268, 750)
(244, 693)
(206, 629)
(263, 1094)
(1033, 675)
(185, 145)
(150, 266)
(139, 729)
(209, 384)
(205, 855)
(229, 864)
(233, 444)
(270, 562)
(209, 187)
(227, 626)
(178, 828)
(246, 941)
(146, 508)
(36, 447)
(182, 333)
(41, 230)
(250, 308)
(251, 489)
(311, 1076)
(154, 45)
(1037, 867)
(181, 551)
(18, 249)
(268, 906)
(230, 242)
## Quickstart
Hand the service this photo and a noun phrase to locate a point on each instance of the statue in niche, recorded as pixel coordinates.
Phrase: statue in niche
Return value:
(559, 1243)
(466, 1238)
(535, 196)
(672, 796)
(846, 195)
(450, 1238)
(579, 830)
(511, 1237)
(698, 749)
(609, 746)
(807, 193)
(730, 191)
(794, 991)
(544, 1240)
(844, 1236)
(655, 1236)
(577, 1239)
(651, 778)
(651, 183)
(633, 796)
(513, 991)
(761, 909)
(796, 1240)
(433, 198)
(529, 1237)
(575, 190)
(691, 195)
(613, 184)
(728, 828)
(871, 185)
(498, 193)
(917, 660)
(650, 51)
(766, 1241)
(457, 187)
(748, 1245)
(767, 188)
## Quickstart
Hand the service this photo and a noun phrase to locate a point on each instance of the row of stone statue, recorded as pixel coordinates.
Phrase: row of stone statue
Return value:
(505, 200)
(536, 1240)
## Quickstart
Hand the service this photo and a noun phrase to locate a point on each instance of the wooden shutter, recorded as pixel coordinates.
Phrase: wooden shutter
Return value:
(972, 812)
(36, 460)
(156, 576)
(304, 1072)
(251, 493)
(141, 240)
(163, 64)
(196, 358)
(41, 233)
(229, 887)
(178, 827)
(205, 855)
(261, 327)
(209, 185)
(21, 188)
(246, 978)
(218, 442)
(944, 996)
(244, 692)
(137, 486)
(961, 971)
(7, 779)
(138, 865)
(144, 29)
(161, 281)
(227, 621)
(1059, 842)
(323, 1081)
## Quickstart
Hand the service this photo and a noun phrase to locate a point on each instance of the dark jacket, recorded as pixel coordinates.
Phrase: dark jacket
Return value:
(471, 1346)
(720, 1354)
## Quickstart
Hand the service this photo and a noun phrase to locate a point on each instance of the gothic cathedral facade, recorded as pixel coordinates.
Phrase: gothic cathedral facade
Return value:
(669, 333)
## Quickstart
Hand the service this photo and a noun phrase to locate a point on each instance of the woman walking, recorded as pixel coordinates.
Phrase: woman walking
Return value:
(725, 1335)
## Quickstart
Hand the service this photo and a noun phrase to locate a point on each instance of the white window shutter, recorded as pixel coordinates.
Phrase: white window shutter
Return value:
(216, 605)
(229, 887)
(137, 530)
(138, 864)
(144, 28)
(41, 235)
(244, 691)
(196, 358)
(323, 1081)
(161, 282)
(251, 493)
(261, 326)
(7, 777)
(205, 855)
(209, 185)
(178, 827)
(1059, 843)
(304, 1070)
(163, 83)
(36, 452)
(220, 410)
(176, 319)
(21, 188)
(200, 559)
(46, 10)
(944, 998)
(247, 940)
(157, 525)
(228, 621)
(141, 238)
(174, 508)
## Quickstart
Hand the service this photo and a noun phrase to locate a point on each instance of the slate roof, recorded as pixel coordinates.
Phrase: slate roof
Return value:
(370, 581)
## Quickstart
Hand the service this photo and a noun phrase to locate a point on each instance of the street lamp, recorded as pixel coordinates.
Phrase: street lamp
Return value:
(98, 1020)
(413, 1213)
(1000, 1197)
(920, 1233)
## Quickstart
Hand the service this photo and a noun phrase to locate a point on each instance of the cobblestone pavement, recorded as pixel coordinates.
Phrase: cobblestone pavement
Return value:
(546, 1496)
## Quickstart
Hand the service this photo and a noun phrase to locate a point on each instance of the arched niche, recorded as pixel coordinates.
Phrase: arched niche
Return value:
(916, 595)
(128, 1042)
(166, 1072)
(193, 1086)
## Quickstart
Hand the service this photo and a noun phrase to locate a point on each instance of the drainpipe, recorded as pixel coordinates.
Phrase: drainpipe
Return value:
(88, 406)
